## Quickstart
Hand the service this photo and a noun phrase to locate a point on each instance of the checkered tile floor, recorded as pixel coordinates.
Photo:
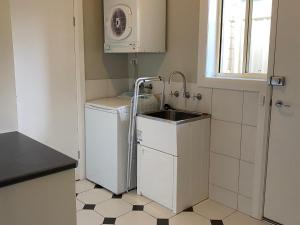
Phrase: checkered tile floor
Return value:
(96, 206)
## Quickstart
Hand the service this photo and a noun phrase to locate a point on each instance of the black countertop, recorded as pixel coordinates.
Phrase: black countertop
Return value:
(22, 159)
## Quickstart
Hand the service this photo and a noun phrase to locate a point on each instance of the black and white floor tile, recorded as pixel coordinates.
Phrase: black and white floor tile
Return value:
(96, 206)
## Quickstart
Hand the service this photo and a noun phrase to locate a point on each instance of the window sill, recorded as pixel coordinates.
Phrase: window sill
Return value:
(234, 83)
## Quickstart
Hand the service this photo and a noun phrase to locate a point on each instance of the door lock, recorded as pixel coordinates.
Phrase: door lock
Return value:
(278, 81)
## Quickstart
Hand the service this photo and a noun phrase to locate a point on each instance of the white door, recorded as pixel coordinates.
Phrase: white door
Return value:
(282, 199)
(44, 54)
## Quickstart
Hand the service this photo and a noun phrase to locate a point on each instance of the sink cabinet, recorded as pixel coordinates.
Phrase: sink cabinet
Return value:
(173, 162)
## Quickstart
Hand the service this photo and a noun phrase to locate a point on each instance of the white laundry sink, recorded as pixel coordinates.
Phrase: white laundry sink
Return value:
(173, 158)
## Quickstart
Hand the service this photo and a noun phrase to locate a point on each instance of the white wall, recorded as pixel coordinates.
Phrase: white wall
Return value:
(43, 37)
(99, 65)
(8, 108)
(105, 88)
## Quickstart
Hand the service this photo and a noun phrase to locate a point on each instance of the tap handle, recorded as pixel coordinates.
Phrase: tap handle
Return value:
(197, 96)
(175, 93)
(186, 94)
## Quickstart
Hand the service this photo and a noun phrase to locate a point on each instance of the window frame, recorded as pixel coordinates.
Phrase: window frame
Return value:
(247, 42)
(207, 51)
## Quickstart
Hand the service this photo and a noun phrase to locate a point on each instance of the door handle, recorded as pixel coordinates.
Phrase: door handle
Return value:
(280, 104)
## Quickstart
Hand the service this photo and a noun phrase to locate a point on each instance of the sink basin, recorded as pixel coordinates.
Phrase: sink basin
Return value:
(176, 116)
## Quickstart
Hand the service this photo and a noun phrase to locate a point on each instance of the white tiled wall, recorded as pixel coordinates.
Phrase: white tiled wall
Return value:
(246, 179)
(224, 172)
(224, 196)
(245, 204)
(191, 104)
(227, 105)
(234, 120)
(226, 138)
(248, 143)
(250, 108)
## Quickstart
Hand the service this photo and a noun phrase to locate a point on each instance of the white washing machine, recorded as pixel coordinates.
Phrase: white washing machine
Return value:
(107, 124)
(133, 26)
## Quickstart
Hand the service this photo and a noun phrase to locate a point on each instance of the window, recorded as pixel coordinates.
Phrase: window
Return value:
(244, 37)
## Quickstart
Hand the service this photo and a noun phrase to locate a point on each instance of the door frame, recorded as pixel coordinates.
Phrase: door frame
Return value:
(264, 121)
(80, 82)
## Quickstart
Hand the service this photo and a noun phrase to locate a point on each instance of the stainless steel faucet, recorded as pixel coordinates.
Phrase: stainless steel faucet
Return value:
(186, 94)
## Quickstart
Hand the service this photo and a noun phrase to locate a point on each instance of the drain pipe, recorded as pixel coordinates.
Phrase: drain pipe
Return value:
(132, 122)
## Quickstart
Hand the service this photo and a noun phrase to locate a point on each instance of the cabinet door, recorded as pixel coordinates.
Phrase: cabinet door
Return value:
(156, 175)
(166, 141)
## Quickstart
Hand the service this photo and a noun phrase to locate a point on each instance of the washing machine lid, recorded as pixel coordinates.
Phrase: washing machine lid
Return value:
(116, 104)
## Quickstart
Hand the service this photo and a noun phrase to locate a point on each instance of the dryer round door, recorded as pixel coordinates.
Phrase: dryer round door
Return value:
(119, 23)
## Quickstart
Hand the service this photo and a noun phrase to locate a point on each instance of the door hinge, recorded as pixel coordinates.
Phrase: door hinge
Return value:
(271, 102)
(74, 21)
(78, 154)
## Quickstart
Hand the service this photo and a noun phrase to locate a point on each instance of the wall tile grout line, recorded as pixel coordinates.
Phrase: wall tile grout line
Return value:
(239, 176)
(209, 164)
(232, 157)
(226, 189)
(237, 123)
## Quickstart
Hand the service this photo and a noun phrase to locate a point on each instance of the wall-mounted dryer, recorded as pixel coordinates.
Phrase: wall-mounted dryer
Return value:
(133, 26)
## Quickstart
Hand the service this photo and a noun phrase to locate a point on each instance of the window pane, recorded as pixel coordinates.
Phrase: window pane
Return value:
(233, 31)
(260, 36)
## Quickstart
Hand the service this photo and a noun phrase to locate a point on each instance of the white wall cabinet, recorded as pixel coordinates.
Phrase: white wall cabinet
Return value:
(173, 162)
